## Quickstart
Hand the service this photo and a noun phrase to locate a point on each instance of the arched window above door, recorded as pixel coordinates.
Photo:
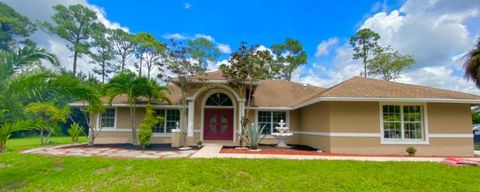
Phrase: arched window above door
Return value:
(219, 99)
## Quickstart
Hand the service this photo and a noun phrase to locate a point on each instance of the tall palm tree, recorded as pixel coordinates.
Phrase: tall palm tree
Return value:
(472, 65)
(133, 87)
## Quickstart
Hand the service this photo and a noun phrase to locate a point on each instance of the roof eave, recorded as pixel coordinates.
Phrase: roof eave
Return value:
(383, 99)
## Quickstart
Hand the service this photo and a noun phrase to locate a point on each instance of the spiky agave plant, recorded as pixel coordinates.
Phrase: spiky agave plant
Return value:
(252, 134)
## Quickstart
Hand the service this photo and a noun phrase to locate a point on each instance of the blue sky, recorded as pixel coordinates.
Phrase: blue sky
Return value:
(256, 22)
(436, 33)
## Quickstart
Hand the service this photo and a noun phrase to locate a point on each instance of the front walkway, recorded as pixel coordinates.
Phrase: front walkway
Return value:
(209, 151)
(213, 151)
(83, 151)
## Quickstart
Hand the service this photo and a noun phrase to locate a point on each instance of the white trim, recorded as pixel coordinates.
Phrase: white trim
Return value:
(425, 136)
(126, 105)
(382, 99)
(450, 135)
(116, 130)
(216, 87)
(313, 101)
(168, 135)
(220, 81)
(270, 108)
(337, 134)
(377, 135)
(234, 103)
(191, 114)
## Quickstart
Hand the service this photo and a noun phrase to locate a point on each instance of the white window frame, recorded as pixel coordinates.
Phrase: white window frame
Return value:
(99, 119)
(287, 118)
(165, 121)
(424, 140)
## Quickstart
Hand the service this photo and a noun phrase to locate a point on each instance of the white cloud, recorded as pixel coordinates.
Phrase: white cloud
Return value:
(187, 5)
(324, 47)
(176, 36)
(214, 66)
(224, 48)
(210, 38)
(434, 32)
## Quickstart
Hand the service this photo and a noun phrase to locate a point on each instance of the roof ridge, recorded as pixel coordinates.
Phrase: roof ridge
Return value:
(416, 85)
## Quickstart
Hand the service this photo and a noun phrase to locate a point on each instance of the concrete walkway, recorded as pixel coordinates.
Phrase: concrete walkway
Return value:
(208, 151)
(72, 150)
(213, 151)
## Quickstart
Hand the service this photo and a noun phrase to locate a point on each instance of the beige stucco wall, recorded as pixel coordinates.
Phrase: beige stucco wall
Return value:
(354, 117)
(449, 118)
(364, 117)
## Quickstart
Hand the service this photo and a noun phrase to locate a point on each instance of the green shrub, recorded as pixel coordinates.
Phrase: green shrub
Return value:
(145, 132)
(75, 132)
(411, 151)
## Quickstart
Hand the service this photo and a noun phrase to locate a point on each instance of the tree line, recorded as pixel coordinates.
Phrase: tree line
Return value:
(34, 96)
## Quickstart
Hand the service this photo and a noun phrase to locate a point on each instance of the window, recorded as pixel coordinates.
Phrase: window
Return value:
(219, 99)
(270, 120)
(403, 122)
(170, 117)
(107, 119)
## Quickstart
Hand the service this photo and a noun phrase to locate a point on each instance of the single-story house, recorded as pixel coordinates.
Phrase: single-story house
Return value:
(357, 116)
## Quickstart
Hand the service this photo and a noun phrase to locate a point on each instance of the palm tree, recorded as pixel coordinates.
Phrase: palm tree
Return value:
(34, 84)
(472, 64)
(133, 87)
(8, 128)
(10, 62)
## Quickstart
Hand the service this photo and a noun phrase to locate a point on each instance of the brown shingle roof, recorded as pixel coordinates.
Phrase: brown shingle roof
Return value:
(366, 87)
(282, 93)
(214, 75)
(173, 93)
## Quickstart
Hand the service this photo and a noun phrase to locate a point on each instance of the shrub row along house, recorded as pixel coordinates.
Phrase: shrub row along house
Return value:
(357, 116)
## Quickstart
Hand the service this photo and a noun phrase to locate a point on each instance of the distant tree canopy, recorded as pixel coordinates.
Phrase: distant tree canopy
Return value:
(13, 25)
(290, 55)
(388, 63)
(75, 24)
(377, 60)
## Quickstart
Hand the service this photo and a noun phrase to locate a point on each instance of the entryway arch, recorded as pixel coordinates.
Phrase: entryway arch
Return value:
(219, 116)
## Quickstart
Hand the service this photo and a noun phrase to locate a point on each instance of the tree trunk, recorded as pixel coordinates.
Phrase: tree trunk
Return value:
(123, 64)
(103, 73)
(365, 67)
(41, 137)
(140, 66)
(148, 72)
(75, 55)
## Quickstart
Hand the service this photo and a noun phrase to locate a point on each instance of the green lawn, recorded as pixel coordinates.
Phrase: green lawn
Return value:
(44, 173)
(33, 142)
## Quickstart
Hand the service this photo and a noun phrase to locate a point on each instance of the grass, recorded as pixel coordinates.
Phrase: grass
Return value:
(19, 144)
(46, 173)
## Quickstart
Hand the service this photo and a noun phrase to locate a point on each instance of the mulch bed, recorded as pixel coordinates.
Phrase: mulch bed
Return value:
(302, 150)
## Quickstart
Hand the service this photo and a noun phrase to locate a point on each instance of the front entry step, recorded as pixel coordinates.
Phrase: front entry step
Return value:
(220, 142)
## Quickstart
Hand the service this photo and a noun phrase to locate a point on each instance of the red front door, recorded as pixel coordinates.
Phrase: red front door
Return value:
(218, 124)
